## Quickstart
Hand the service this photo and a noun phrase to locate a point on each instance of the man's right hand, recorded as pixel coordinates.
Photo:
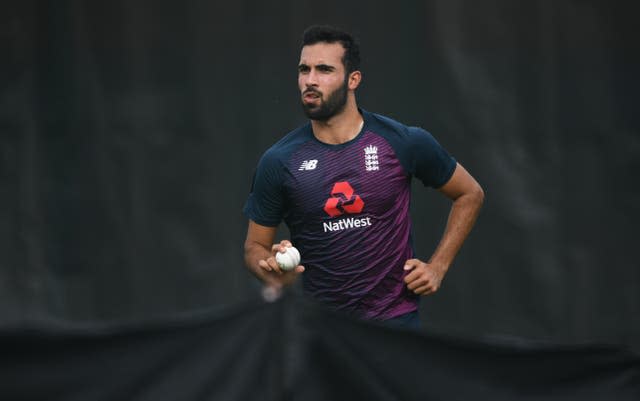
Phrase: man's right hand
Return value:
(272, 274)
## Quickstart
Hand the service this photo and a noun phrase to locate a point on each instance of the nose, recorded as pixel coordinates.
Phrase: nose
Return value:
(311, 79)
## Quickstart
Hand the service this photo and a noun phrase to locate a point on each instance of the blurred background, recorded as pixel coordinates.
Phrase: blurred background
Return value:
(129, 132)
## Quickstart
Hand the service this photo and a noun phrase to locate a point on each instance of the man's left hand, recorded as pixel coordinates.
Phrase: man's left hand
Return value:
(423, 278)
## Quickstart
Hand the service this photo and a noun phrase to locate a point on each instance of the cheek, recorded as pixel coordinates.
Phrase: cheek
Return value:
(331, 87)
(334, 82)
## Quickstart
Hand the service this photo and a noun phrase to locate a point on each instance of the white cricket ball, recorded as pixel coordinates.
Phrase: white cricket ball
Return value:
(289, 259)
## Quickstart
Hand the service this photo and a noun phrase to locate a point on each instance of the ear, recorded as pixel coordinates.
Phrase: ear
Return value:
(354, 80)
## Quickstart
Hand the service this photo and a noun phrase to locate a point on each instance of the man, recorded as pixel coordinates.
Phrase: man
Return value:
(342, 183)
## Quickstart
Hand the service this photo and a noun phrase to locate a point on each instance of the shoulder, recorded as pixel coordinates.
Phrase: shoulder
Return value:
(384, 125)
(280, 151)
(417, 150)
(388, 126)
(399, 134)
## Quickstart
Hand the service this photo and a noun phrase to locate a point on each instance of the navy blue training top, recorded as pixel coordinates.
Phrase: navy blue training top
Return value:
(347, 209)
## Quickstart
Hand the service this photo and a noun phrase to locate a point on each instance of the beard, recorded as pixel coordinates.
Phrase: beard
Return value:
(326, 109)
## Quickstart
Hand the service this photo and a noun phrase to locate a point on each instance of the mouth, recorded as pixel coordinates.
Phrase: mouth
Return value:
(310, 96)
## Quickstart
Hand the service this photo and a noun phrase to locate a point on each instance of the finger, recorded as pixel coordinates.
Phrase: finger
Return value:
(429, 289)
(297, 270)
(413, 275)
(421, 287)
(281, 247)
(264, 265)
(410, 264)
(270, 265)
(423, 290)
(418, 283)
(273, 264)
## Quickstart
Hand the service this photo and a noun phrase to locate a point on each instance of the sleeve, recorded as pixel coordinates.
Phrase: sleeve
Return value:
(265, 204)
(430, 162)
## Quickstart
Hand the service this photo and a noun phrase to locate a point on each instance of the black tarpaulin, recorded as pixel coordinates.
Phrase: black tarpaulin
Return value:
(293, 350)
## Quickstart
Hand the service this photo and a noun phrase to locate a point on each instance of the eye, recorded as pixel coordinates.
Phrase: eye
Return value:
(303, 69)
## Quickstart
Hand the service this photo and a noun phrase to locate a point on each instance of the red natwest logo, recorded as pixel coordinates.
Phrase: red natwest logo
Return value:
(343, 200)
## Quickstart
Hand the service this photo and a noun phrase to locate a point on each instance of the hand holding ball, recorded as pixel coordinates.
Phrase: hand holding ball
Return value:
(289, 259)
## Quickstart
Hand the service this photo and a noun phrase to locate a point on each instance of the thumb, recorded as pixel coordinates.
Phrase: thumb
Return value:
(411, 264)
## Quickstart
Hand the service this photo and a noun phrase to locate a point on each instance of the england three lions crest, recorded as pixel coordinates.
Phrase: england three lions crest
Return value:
(371, 158)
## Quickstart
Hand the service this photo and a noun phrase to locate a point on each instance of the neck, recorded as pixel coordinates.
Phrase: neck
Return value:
(340, 128)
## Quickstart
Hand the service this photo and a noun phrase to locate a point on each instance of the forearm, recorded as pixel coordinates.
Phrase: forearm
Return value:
(253, 253)
(462, 217)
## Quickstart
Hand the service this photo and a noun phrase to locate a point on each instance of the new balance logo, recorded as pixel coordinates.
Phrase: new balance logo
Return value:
(308, 165)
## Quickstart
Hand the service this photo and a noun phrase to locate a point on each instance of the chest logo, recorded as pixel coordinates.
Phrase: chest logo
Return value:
(308, 165)
(371, 158)
(343, 200)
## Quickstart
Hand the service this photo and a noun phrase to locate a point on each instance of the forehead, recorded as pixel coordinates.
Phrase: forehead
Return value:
(322, 53)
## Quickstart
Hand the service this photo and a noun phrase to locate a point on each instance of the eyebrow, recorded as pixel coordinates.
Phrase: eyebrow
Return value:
(324, 67)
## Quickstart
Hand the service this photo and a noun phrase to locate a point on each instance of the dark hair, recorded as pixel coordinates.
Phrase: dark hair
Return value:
(325, 33)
